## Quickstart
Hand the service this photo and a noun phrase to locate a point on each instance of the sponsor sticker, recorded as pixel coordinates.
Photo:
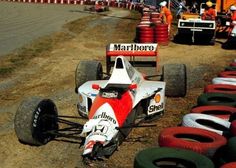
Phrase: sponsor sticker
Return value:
(132, 49)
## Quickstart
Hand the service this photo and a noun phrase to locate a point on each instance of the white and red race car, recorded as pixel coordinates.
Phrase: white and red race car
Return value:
(113, 105)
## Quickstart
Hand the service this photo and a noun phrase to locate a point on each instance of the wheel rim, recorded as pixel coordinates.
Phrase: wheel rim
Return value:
(46, 122)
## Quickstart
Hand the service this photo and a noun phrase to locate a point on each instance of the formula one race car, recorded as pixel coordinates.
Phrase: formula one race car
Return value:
(113, 104)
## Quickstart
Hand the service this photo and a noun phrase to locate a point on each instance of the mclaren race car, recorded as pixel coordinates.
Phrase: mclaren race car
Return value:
(113, 105)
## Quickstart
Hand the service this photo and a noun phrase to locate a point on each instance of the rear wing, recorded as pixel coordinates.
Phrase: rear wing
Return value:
(132, 50)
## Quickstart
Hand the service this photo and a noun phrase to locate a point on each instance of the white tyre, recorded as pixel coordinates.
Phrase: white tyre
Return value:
(206, 122)
(220, 80)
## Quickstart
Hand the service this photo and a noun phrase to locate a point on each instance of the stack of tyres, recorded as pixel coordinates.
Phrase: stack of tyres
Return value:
(220, 88)
(170, 157)
(226, 154)
(155, 18)
(145, 19)
(228, 74)
(217, 99)
(233, 64)
(161, 34)
(146, 14)
(229, 165)
(223, 112)
(209, 130)
(145, 34)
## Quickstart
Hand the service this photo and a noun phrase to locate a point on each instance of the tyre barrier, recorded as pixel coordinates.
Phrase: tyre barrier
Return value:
(170, 157)
(227, 153)
(161, 34)
(219, 80)
(206, 122)
(195, 139)
(217, 99)
(144, 34)
(147, 14)
(223, 112)
(155, 18)
(229, 165)
(230, 68)
(232, 117)
(220, 88)
(228, 74)
(155, 15)
(232, 64)
(233, 128)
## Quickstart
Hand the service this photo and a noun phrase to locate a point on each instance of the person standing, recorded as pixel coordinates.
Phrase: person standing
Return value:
(166, 14)
(233, 13)
(209, 12)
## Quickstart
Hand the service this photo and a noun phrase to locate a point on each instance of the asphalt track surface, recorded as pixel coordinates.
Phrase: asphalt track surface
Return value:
(21, 23)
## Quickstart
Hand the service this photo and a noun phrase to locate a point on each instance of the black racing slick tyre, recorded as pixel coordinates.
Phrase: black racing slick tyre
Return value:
(217, 99)
(176, 79)
(87, 70)
(170, 157)
(34, 119)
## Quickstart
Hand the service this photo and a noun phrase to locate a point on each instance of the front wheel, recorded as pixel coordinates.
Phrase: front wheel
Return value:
(34, 120)
(175, 77)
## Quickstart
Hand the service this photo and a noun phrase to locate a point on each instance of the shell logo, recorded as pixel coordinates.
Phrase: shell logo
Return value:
(157, 98)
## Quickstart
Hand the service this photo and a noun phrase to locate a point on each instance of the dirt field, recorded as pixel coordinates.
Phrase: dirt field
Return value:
(46, 68)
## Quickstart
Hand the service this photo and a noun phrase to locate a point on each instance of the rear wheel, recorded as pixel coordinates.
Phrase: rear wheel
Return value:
(176, 79)
(86, 71)
(34, 118)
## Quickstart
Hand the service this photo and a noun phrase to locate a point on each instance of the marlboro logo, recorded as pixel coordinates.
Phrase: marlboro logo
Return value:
(105, 116)
(132, 49)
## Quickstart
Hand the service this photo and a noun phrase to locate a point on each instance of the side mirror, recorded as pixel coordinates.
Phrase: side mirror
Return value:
(133, 86)
(95, 86)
